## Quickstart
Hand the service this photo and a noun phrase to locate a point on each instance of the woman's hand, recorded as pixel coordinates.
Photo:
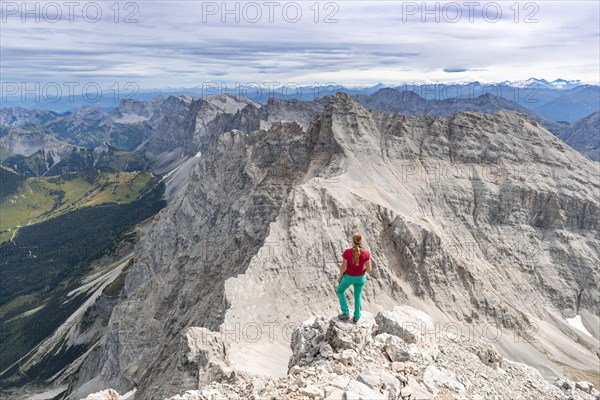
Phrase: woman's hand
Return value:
(342, 269)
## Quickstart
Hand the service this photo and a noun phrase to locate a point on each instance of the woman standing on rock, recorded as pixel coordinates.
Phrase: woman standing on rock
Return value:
(353, 271)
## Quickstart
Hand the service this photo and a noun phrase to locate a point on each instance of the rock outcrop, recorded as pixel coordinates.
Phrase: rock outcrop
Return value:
(108, 394)
(363, 368)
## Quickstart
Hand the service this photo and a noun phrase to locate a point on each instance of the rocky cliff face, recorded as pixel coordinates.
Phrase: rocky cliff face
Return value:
(183, 127)
(132, 110)
(478, 219)
(26, 143)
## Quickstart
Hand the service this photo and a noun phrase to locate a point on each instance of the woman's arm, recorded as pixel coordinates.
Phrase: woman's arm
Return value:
(368, 266)
(342, 269)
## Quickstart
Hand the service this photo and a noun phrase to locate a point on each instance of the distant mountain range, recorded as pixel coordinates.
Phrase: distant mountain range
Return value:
(410, 103)
(558, 100)
(170, 130)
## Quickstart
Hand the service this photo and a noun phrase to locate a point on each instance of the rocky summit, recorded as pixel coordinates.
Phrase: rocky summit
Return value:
(386, 357)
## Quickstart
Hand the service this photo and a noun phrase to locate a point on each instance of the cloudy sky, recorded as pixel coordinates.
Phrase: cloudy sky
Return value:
(159, 44)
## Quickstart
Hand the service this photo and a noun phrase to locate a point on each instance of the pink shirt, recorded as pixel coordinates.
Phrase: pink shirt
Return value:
(353, 269)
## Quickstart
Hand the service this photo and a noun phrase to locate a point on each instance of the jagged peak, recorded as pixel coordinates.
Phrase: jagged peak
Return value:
(343, 96)
(179, 98)
(342, 99)
(292, 125)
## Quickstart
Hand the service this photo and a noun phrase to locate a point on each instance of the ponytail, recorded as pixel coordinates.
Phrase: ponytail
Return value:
(357, 239)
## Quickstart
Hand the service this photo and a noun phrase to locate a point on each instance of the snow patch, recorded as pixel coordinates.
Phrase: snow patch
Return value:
(576, 323)
(129, 395)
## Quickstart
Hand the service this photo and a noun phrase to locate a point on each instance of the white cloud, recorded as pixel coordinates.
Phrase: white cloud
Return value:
(371, 42)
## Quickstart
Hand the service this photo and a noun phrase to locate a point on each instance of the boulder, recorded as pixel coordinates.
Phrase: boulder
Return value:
(487, 354)
(377, 378)
(347, 357)
(436, 376)
(359, 391)
(396, 349)
(318, 338)
(204, 350)
(563, 383)
(584, 386)
(346, 335)
(409, 324)
(311, 391)
(108, 394)
(306, 341)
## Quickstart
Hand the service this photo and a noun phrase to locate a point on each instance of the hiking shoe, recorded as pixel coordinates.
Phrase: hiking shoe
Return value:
(354, 320)
(344, 317)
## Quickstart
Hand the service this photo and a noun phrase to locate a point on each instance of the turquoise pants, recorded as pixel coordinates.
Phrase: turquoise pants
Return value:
(359, 283)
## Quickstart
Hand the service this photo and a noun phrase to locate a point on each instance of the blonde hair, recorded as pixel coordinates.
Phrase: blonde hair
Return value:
(357, 239)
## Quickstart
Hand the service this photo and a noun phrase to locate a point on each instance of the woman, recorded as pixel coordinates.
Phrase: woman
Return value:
(356, 263)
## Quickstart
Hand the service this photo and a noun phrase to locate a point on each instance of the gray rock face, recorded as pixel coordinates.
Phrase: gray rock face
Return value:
(168, 131)
(584, 136)
(26, 143)
(170, 125)
(185, 126)
(132, 110)
(483, 218)
(201, 358)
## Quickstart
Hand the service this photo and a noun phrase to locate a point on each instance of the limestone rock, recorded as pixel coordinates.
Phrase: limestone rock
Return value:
(359, 391)
(407, 323)
(587, 387)
(396, 349)
(488, 355)
(206, 351)
(311, 391)
(108, 394)
(345, 335)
